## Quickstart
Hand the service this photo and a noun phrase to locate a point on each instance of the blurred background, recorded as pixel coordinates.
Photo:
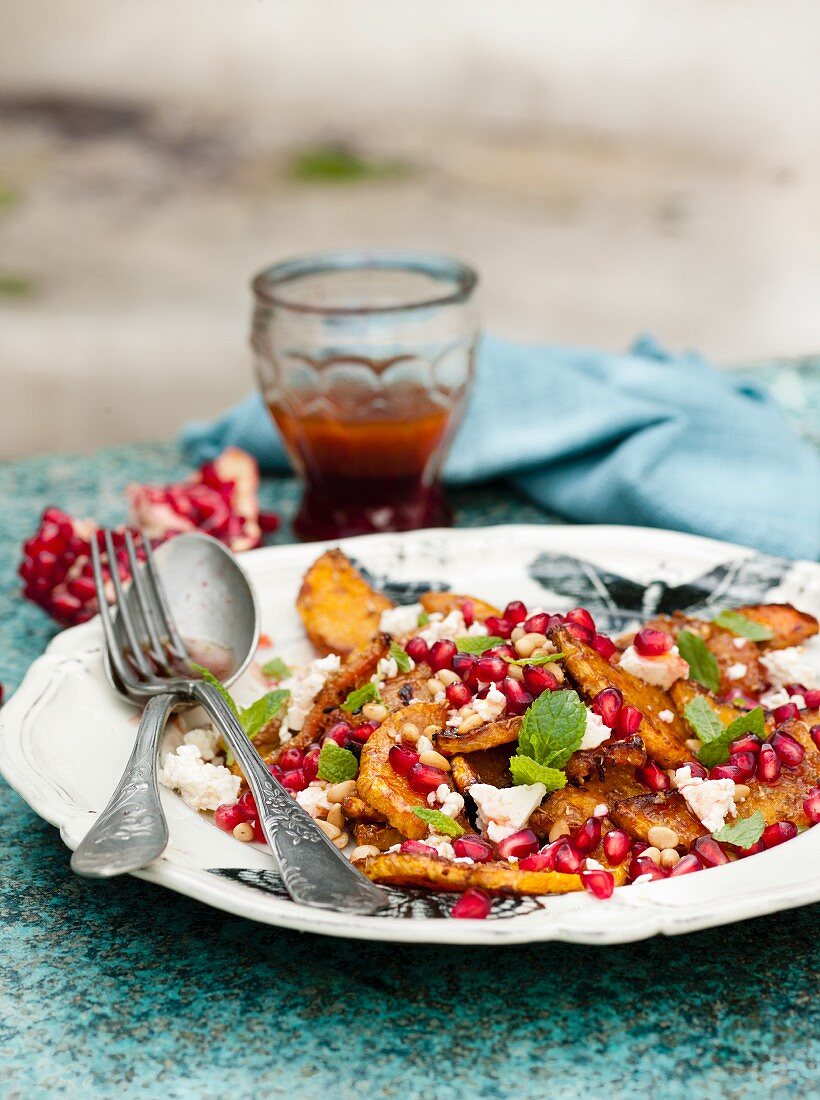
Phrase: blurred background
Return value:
(611, 167)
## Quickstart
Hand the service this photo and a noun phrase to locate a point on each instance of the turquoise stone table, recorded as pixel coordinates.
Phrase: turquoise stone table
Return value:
(120, 989)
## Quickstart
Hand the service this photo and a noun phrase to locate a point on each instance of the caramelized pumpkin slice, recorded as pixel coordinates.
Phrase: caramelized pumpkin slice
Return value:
(590, 673)
(788, 625)
(339, 609)
(356, 809)
(436, 873)
(485, 766)
(383, 788)
(489, 736)
(730, 652)
(639, 814)
(380, 836)
(445, 602)
(685, 691)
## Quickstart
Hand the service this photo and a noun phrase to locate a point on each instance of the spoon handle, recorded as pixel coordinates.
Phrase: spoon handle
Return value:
(131, 830)
(313, 870)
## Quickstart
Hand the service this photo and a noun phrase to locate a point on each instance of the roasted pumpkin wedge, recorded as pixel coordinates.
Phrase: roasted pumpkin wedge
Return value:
(339, 609)
(489, 736)
(356, 809)
(668, 808)
(788, 625)
(730, 651)
(380, 836)
(434, 873)
(486, 766)
(445, 602)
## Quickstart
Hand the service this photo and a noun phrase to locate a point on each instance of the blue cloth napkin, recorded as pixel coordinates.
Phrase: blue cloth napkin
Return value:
(644, 438)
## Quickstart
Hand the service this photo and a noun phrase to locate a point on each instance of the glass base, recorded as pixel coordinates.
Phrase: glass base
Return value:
(322, 516)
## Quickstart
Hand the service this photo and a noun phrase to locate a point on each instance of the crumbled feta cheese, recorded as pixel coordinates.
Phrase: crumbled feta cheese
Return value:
(303, 688)
(450, 626)
(207, 741)
(799, 664)
(491, 706)
(601, 810)
(661, 671)
(710, 800)
(738, 643)
(666, 716)
(386, 669)
(591, 864)
(779, 697)
(399, 621)
(441, 844)
(202, 785)
(736, 671)
(313, 799)
(451, 802)
(597, 731)
(424, 744)
(504, 810)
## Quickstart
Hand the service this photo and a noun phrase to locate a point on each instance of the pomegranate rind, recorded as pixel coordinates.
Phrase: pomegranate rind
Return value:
(340, 611)
(445, 602)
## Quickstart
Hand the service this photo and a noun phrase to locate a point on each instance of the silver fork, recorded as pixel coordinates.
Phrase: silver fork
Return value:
(131, 831)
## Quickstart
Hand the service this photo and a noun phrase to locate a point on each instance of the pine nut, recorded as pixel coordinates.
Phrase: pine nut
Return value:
(559, 829)
(524, 646)
(446, 676)
(342, 840)
(336, 816)
(669, 857)
(374, 712)
(410, 733)
(364, 850)
(652, 853)
(662, 837)
(243, 831)
(741, 792)
(329, 830)
(431, 731)
(515, 672)
(554, 668)
(338, 792)
(471, 722)
(434, 686)
(518, 632)
(693, 744)
(435, 760)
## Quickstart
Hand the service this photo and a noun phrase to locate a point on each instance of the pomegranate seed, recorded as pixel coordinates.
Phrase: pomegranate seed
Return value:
(738, 698)
(517, 698)
(417, 848)
(587, 837)
(468, 613)
(402, 759)
(567, 861)
(582, 617)
(750, 742)
(752, 850)
(268, 522)
(795, 689)
(697, 769)
(768, 765)
(247, 806)
(474, 904)
(441, 655)
(639, 846)
(416, 648)
(605, 646)
(463, 663)
(520, 844)
(785, 712)
(812, 699)
(728, 771)
(628, 722)
(503, 651)
(686, 865)
(778, 833)
(458, 695)
(811, 805)
(538, 861)
(653, 643)
(642, 865)
(815, 735)
(537, 624)
(478, 850)
(338, 732)
(311, 764)
(258, 832)
(616, 846)
(361, 734)
(295, 780)
(746, 762)
(654, 776)
(228, 817)
(276, 771)
(498, 628)
(490, 669)
(788, 748)
(581, 632)
(515, 612)
(290, 759)
(599, 883)
(423, 778)
(539, 680)
(607, 704)
(709, 852)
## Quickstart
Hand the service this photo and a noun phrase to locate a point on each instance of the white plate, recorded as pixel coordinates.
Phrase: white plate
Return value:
(65, 738)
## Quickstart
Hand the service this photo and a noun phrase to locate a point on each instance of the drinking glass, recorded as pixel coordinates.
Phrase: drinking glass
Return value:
(364, 359)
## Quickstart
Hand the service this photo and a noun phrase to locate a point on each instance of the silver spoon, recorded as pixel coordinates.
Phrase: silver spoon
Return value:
(198, 592)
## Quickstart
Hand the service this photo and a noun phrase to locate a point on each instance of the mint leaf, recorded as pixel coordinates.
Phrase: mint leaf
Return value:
(424, 618)
(255, 717)
(524, 770)
(536, 662)
(275, 669)
(703, 719)
(209, 678)
(702, 664)
(553, 728)
(337, 765)
(477, 644)
(357, 699)
(743, 627)
(744, 833)
(716, 751)
(401, 657)
(439, 823)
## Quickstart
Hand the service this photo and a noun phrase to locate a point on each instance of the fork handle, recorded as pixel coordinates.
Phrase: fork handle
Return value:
(131, 830)
(313, 870)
